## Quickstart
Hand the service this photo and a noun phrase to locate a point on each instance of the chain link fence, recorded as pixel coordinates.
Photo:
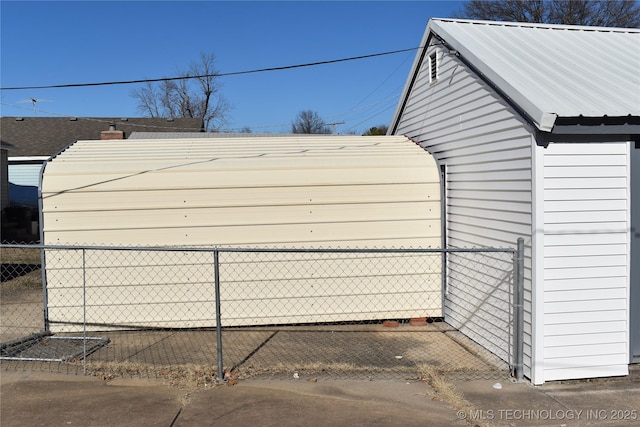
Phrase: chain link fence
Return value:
(229, 312)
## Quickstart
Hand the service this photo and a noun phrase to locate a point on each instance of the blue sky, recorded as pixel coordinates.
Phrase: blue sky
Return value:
(47, 43)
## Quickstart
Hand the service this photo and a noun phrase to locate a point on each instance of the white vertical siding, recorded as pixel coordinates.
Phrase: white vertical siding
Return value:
(486, 147)
(586, 271)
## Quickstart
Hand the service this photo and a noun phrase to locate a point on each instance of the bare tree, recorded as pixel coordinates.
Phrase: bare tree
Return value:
(598, 13)
(196, 94)
(308, 121)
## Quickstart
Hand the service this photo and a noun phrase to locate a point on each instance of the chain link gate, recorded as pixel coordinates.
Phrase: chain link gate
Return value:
(222, 311)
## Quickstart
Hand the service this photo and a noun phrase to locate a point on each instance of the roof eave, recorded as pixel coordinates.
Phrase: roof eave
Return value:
(626, 125)
(534, 113)
(543, 121)
(546, 122)
(599, 130)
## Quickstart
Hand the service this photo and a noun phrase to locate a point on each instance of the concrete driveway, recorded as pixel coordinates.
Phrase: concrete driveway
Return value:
(46, 399)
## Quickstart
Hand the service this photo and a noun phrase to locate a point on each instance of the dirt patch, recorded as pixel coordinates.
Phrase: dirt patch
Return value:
(20, 256)
(21, 306)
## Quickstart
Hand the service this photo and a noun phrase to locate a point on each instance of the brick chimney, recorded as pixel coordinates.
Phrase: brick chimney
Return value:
(112, 133)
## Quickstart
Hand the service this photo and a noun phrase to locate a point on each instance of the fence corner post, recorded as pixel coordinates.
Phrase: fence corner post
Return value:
(519, 311)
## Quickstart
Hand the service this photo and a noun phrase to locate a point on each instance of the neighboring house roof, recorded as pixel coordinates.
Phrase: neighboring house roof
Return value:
(6, 146)
(547, 71)
(46, 136)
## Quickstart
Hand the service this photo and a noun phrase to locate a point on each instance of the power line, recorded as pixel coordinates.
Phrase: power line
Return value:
(371, 117)
(233, 73)
(358, 107)
(383, 82)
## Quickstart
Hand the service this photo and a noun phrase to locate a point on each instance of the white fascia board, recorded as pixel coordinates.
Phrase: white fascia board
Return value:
(543, 120)
(547, 122)
(27, 158)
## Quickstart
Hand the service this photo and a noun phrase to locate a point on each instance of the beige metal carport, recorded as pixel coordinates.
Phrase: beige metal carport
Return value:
(311, 192)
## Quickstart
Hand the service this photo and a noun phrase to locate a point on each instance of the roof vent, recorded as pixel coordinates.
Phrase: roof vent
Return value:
(19, 119)
(433, 67)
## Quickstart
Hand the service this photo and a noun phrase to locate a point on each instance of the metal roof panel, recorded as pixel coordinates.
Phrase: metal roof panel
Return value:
(552, 71)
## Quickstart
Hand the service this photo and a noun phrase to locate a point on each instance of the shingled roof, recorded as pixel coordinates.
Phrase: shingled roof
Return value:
(45, 136)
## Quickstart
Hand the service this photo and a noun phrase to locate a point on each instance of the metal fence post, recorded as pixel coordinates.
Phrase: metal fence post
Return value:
(216, 273)
(45, 298)
(84, 311)
(519, 310)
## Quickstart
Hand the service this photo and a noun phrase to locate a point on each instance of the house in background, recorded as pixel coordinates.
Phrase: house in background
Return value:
(33, 140)
(536, 132)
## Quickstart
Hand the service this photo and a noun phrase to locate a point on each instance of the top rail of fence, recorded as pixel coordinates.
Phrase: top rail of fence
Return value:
(259, 250)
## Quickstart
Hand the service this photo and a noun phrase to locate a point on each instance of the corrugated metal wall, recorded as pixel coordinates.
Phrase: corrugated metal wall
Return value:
(24, 177)
(486, 148)
(25, 173)
(329, 191)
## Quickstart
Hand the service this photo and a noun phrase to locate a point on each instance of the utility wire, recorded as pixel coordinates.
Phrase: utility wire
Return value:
(233, 73)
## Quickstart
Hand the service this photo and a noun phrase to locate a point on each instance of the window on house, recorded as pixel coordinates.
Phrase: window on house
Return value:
(433, 68)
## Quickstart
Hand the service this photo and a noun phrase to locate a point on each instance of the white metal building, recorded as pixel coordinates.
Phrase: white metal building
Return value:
(318, 192)
(536, 131)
